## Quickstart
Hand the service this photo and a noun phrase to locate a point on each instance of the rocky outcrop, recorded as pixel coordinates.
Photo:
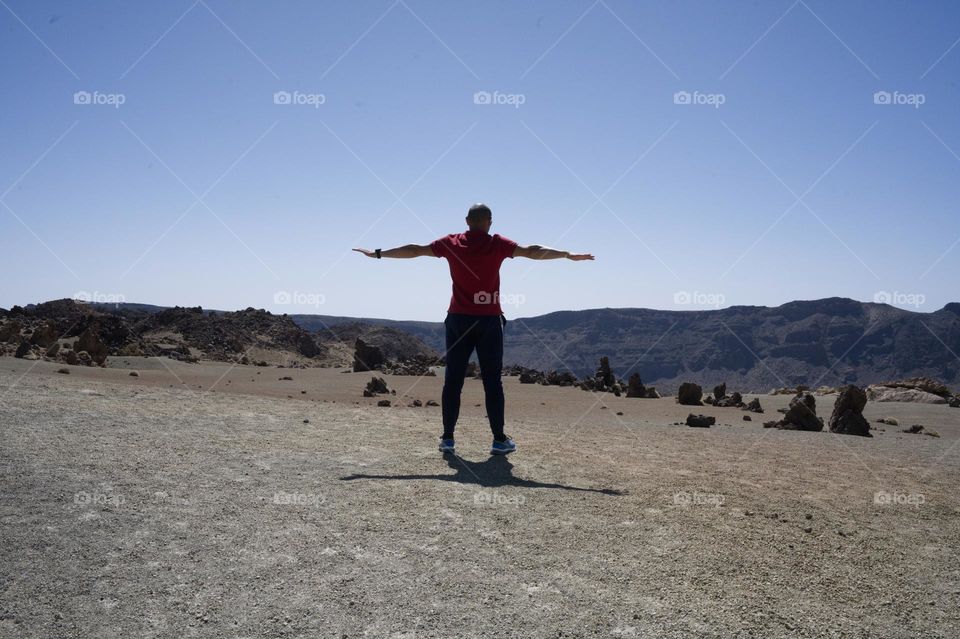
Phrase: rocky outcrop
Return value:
(90, 342)
(800, 415)
(847, 416)
(913, 395)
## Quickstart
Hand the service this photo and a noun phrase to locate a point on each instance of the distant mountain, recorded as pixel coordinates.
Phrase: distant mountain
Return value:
(819, 342)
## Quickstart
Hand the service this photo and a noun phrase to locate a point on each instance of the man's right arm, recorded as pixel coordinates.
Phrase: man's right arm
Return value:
(538, 252)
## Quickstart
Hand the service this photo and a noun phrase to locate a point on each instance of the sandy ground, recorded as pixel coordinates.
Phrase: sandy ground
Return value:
(204, 500)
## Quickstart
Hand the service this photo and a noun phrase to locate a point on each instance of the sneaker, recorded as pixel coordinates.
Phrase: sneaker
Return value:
(505, 447)
(446, 445)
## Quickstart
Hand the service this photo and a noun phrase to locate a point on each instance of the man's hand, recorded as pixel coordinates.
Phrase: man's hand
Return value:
(405, 251)
(540, 252)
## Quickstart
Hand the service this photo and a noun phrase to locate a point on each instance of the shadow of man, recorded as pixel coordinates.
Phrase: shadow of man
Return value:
(495, 472)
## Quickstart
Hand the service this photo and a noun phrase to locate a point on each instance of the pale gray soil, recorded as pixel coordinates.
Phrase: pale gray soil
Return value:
(134, 509)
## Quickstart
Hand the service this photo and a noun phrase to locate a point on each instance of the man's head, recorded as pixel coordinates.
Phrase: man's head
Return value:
(479, 218)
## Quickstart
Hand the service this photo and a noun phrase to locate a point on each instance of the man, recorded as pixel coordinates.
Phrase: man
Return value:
(474, 319)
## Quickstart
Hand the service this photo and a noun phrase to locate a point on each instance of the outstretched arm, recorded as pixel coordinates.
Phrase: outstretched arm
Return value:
(538, 252)
(405, 251)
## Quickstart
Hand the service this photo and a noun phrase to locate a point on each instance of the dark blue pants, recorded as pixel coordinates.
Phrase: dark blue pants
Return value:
(466, 333)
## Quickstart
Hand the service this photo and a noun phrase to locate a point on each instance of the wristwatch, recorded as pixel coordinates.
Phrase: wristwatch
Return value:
(378, 253)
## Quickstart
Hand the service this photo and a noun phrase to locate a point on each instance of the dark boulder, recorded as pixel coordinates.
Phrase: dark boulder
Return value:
(801, 415)
(90, 342)
(847, 416)
(689, 394)
(366, 357)
(720, 391)
(700, 421)
(635, 387)
(376, 385)
(22, 350)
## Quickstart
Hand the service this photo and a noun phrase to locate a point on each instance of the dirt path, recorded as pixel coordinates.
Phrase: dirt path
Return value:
(134, 509)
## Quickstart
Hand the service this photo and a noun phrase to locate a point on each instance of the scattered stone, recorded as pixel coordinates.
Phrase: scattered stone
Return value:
(306, 421)
(285, 378)
(134, 374)
(383, 402)
(747, 418)
(689, 394)
(913, 430)
(808, 529)
(754, 406)
(416, 403)
(70, 357)
(63, 371)
(735, 400)
(619, 412)
(847, 416)
(931, 433)
(430, 402)
(700, 421)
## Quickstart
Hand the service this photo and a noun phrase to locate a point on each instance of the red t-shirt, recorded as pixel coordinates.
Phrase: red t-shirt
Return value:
(474, 258)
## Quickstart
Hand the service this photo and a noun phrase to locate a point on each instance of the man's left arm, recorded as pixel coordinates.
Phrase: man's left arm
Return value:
(405, 251)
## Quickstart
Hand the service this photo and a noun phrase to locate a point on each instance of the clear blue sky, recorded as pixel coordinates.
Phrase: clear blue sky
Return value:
(200, 189)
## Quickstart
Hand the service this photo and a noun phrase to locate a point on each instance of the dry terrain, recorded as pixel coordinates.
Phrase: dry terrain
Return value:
(198, 500)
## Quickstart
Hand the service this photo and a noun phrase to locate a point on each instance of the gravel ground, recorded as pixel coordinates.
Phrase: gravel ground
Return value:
(133, 509)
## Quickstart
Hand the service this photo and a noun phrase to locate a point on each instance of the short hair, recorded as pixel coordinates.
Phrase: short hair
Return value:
(479, 212)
